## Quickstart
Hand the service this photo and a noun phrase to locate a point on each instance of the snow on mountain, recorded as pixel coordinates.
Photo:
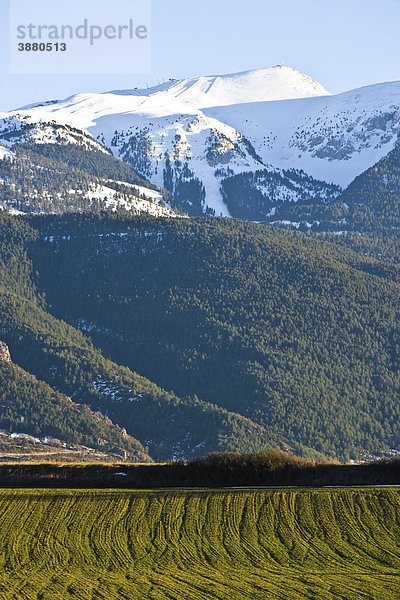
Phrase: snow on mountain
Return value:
(30, 183)
(198, 148)
(186, 95)
(332, 138)
(164, 129)
(5, 152)
(275, 83)
(189, 135)
(22, 127)
(142, 200)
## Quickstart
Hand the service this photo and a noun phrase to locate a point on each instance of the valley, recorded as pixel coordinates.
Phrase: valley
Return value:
(199, 300)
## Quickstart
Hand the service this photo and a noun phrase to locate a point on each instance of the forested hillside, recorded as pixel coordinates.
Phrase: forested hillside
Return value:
(374, 196)
(276, 195)
(31, 406)
(369, 205)
(67, 361)
(295, 333)
(57, 169)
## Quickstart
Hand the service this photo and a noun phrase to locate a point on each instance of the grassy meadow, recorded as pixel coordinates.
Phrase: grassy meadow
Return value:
(200, 545)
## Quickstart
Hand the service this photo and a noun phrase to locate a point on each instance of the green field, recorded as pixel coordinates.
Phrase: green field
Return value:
(199, 545)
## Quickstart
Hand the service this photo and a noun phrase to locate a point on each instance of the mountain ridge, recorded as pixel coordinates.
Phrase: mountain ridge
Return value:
(191, 137)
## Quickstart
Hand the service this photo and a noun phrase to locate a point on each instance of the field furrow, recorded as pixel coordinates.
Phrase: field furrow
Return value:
(200, 545)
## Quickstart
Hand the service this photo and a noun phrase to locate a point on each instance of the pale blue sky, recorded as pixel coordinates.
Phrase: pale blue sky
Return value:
(341, 43)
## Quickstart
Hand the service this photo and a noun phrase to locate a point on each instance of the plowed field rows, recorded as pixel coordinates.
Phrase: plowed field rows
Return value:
(200, 545)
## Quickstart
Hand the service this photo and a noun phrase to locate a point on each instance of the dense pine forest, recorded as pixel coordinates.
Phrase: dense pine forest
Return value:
(265, 337)
(65, 359)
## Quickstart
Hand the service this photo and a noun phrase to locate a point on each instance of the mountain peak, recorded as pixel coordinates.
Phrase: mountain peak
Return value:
(260, 85)
(193, 94)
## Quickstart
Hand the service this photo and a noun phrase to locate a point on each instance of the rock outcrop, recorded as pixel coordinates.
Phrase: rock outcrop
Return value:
(4, 353)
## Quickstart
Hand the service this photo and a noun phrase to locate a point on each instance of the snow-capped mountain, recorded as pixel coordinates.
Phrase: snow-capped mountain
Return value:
(190, 136)
(275, 83)
(333, 138)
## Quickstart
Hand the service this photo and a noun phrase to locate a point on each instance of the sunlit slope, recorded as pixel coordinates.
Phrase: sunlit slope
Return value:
(196, 545)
